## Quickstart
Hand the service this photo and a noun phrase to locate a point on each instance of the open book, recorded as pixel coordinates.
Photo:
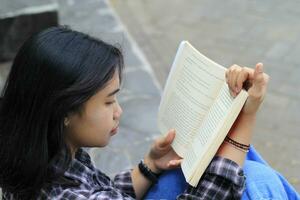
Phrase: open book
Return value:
(196, 102)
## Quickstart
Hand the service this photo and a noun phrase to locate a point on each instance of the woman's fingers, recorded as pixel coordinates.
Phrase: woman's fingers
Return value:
(232, 77)
(236, 76)
(242, 77)
(174, 163)
(167, 140)
(254, 80)
(260, 80)
(257, 90)
(229, 76)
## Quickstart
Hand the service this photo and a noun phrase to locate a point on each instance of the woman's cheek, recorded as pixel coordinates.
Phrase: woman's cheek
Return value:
(105, 120)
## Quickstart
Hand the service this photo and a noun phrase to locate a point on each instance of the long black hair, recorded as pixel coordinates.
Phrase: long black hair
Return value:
(54, 73)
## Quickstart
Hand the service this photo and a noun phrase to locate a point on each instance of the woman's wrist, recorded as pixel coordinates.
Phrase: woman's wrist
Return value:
(248, 116)
(151, 165)
(241, 132)
(242, 123)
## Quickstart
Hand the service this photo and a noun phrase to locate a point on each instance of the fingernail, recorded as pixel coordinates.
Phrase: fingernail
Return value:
(237, 89)
(260, 67)
(232, 93)
(172, 130)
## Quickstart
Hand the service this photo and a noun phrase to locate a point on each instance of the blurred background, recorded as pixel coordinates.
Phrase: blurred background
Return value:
(149, 32)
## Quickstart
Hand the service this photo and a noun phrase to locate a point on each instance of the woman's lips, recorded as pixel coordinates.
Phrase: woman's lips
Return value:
(114, 131)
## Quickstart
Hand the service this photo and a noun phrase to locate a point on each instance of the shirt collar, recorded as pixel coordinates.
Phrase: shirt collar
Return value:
(80, 167)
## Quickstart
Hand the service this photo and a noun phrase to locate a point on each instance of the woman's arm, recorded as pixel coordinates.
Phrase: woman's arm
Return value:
(224, 178)
(140, 183)
(242, 129)
(240, 132)
(161, 157)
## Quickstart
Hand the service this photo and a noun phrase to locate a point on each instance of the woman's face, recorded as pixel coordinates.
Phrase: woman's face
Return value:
(99, 119)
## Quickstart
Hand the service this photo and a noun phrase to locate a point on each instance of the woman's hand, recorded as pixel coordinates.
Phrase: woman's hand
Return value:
(161, 155)
(254, 80)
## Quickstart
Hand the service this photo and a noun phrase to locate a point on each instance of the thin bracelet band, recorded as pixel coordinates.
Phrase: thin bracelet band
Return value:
(239, 146)
(237, 143)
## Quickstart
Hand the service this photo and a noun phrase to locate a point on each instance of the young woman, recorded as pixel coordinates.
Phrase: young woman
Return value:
(60, 96)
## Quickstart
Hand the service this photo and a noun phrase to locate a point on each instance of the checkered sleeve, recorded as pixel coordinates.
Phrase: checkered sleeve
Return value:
(123, 182)
(223, 179)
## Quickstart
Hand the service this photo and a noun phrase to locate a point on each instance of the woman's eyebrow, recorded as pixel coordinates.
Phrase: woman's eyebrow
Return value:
(114, 92)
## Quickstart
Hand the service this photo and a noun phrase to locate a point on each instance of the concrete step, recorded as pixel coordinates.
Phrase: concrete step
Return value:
(19, 20)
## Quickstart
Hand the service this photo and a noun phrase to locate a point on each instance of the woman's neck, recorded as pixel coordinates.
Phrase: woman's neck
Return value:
(73, 148)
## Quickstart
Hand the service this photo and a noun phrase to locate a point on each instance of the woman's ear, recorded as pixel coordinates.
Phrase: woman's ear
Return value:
(66, 121)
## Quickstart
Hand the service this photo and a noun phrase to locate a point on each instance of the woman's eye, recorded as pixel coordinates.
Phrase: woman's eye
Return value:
(110, 102)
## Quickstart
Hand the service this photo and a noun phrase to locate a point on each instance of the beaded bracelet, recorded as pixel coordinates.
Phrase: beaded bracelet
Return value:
(146, 171)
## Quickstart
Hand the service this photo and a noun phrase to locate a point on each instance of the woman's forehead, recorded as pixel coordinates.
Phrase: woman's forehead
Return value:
(113, 83)
(111, 86)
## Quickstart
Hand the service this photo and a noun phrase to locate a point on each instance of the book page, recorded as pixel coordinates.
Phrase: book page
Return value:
(224, 109)
(192, 86)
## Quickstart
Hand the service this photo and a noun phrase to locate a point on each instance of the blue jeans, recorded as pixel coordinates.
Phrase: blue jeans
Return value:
(262, 182)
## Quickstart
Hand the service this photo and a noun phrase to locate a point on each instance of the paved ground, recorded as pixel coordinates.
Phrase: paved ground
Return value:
(139, 96)
(230, 34)
(241, 32)
(140, 92)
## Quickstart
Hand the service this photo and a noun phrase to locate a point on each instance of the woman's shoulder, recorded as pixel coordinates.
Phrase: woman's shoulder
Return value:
(61, 192)
(83, 191)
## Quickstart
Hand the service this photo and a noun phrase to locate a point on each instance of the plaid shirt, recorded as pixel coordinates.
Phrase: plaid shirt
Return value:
(223, 179)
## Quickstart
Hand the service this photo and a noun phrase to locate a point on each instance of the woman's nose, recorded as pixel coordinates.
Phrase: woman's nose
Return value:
(118, 112)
